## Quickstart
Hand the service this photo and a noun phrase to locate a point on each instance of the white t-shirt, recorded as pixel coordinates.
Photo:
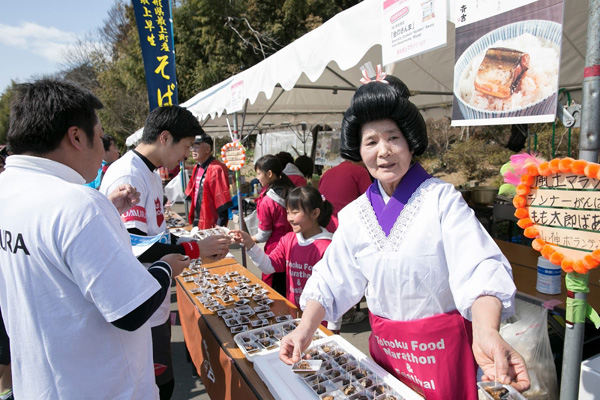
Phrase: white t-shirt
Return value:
(148, 215)
(66, 272)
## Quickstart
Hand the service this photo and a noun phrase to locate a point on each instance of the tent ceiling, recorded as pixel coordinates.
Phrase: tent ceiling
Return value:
(331, 56)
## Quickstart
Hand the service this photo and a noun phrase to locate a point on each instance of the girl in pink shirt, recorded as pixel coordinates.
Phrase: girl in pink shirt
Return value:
(298, 251)
(270, 209)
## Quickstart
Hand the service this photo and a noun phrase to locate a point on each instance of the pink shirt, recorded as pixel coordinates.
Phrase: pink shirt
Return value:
(297, 180)
(272, 216)
(344, 183)
(297, 262)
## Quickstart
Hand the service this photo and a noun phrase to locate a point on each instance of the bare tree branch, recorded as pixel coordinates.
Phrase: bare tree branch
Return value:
(263, 41)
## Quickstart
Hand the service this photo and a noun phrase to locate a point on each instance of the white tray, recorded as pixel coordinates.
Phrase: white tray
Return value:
(285, 384)
(251, 356)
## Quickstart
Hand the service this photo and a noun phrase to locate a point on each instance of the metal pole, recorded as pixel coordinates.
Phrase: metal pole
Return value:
(183, 185)
(588, 150)
(236, 136)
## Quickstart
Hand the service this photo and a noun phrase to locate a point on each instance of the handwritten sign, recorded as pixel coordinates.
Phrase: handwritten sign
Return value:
(558, 204)
(233, 155)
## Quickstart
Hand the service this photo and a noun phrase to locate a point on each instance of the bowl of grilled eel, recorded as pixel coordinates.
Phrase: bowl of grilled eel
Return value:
(511, 71)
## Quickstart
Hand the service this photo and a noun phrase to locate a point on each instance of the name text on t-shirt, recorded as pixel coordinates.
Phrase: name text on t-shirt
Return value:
(12, 246)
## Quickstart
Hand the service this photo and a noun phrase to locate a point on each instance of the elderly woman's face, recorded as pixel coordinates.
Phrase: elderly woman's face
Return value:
(385, 152)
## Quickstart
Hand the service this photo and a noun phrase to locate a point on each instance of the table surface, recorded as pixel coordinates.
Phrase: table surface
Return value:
(280, 306)
(523, 260)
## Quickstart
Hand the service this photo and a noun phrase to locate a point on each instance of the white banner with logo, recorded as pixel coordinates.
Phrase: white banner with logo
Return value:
(411, 27)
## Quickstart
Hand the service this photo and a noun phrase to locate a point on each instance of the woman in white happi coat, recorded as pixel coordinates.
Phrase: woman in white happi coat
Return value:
(435, 282)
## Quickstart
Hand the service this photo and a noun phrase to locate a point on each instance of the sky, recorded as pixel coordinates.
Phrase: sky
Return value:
(35, 33)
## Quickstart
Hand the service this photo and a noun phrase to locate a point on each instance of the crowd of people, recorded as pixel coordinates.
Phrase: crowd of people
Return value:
(84, 315)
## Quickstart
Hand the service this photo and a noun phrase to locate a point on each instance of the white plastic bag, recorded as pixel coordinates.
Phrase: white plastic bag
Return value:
(251, 222)
(527, 333)
(174, 189)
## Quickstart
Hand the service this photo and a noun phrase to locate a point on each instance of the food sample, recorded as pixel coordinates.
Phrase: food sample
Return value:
(349, 367)
(283, 318)
(380, 389)
(239, 328)
(320, 389)
(498, 393)
(303, 365)
(266, 343)
(262, 335)
(250, 348)
(313, 353)
(334, 373)
(365, 382)
(328, 397)
(348, 390)
(360, 373)
(500, 71)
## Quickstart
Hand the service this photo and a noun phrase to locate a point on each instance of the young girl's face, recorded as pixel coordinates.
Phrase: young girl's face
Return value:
(303, 222)
(265, 178)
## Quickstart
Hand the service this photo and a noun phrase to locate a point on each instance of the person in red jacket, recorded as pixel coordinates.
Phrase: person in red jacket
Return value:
(208, 187)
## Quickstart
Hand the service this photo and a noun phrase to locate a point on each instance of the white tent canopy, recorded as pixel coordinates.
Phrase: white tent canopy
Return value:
(302, 77)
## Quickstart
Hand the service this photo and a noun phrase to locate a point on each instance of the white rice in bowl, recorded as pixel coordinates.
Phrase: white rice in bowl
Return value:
(537, 83)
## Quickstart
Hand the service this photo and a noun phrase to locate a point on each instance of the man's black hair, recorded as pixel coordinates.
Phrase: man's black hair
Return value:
(179, 121)
(107, 140)
(43, 111)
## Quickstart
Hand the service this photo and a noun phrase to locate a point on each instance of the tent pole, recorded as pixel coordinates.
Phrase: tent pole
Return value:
(588, 150)
(236, 174)
(183, 185)
(266, 112)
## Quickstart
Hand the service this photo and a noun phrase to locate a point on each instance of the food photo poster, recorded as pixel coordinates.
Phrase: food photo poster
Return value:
(507, 61)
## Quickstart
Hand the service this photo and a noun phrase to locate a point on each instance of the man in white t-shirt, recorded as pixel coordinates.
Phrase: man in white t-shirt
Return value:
(77, 321)
(168, 135)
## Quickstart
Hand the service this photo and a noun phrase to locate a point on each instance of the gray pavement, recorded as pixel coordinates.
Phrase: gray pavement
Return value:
(189, 388)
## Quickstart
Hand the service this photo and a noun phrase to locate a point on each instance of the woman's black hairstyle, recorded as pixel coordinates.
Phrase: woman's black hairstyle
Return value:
(281, 186)
(375, 101)
(306, 165)
(307, 199)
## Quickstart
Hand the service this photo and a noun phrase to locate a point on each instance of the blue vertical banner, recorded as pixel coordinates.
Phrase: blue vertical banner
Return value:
(155, 27)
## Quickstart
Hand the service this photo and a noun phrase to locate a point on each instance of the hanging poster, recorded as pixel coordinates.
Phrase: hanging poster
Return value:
(236, 99)
(507, 61)
(328, 148)
(411, 27)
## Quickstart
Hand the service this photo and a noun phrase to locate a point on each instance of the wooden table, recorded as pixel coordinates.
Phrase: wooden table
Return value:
(224, 370)
(523, 260)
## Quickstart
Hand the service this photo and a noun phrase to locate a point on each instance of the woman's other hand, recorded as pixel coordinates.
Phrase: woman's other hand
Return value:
(498, 360)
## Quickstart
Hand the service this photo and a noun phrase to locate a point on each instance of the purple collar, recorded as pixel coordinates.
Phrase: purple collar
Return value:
(387, 214)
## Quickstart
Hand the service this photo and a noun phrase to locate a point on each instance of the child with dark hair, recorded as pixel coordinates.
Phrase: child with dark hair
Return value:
(270, 208)
(290, 169)
(306, 166)
(297, 251)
